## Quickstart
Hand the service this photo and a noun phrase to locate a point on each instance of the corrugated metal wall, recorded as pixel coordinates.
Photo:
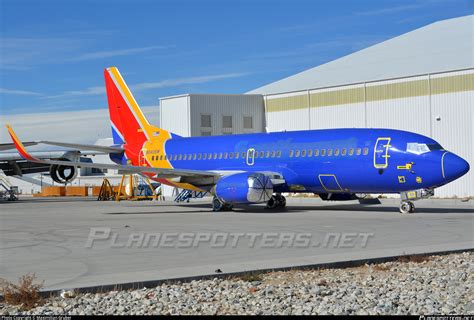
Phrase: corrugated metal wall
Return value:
(452, 108)
(437, 105)
(217, 106)
(174, 115)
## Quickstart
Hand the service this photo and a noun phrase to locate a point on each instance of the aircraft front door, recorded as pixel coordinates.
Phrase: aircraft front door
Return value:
(381, 153)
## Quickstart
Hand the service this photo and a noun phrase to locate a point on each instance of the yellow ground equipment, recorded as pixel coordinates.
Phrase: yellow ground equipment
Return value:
(136, 188)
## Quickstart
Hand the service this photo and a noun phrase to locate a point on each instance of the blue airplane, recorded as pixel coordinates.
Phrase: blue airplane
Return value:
(336, 164)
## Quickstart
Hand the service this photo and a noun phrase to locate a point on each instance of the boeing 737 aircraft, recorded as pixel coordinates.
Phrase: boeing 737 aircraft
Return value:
(337, 164)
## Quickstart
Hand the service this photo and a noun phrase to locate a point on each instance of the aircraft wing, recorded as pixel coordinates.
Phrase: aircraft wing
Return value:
(159, 172)
(9, 146)
(89, 147)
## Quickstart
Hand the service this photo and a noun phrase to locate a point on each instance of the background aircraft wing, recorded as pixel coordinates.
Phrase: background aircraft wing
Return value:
(158, 172)
(89, 147)
(10, 146)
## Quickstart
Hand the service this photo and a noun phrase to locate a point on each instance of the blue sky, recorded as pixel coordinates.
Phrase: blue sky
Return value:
(52, 53)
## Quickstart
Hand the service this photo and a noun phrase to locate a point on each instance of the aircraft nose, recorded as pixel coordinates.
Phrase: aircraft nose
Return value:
(453, 166)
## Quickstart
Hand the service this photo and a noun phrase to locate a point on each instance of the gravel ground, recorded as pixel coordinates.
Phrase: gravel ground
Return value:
(435, 285)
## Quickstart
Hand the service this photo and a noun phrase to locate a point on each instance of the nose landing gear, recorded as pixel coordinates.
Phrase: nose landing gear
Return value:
(407, 207)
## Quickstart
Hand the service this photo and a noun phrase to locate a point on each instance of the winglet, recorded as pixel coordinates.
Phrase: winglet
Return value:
(19, 146)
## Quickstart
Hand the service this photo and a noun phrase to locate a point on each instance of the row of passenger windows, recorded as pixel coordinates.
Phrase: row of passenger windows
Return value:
(264, 154)
(222, 155)
(329, 152)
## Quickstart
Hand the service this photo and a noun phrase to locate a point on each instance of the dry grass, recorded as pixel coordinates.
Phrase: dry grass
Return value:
(414, 259)
(250, 277)
(24, 294)
(381, 267)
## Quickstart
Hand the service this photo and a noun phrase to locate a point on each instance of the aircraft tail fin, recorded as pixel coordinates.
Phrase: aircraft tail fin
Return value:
(129, 125)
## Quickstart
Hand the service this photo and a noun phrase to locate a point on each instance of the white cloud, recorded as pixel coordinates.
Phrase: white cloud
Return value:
(91, 91)
(100, 90)
(189, 80)
(114, 53)
(19, 92)
(85, 126)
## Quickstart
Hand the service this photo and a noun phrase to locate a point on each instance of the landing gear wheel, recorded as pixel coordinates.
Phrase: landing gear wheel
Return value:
(412, 207)
(282, 203)
(272, 203)
(217, 204)
(228, 207)
(407, 207)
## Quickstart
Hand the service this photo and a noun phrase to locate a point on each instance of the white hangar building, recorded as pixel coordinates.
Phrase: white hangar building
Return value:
(421, 81)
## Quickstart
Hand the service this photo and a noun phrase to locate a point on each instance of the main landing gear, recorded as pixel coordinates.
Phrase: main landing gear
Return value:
(218, 205)
(407, 207)
(276, 201)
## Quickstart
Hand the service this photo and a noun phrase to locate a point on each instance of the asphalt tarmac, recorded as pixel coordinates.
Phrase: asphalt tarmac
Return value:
(80, 242)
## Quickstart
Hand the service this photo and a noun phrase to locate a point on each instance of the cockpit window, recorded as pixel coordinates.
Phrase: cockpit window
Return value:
(417, 148)
(435, 146)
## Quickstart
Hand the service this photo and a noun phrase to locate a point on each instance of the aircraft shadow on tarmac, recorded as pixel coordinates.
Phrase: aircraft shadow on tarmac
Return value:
(205, 207)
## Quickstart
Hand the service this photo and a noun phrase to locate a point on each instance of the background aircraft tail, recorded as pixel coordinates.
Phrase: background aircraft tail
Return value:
(129, 125)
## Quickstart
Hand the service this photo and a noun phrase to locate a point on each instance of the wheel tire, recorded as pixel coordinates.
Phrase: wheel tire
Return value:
(272, 203)
(405, 207)
(412, 207)
(282, 203)
(217, 205)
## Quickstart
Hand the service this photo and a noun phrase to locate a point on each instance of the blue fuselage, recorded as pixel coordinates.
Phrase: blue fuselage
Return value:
(325, 161)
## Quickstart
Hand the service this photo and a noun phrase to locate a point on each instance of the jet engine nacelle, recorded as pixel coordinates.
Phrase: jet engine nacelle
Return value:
(62, 174)
(244, 187)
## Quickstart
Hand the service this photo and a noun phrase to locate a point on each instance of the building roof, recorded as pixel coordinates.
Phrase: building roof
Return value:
(441, 46)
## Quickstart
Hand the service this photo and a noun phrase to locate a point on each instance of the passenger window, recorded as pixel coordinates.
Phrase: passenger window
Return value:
(256, 155)
(231, 155)
(310, 152)
(209, 156)
(262, 154)
(161, 157)
(194, 157)
(351, 151)
(343, 152)
(165, 157)
(220, 155)
(323, 152)
(297, 153)
(303, 153)
(204, 156)
(185, 157)
(225, 155)
(278, 153)
(267, 155)
(316, 152)
(329, 152)
(237, 155)
(358, 152)
(273, 154)
(199, 156)
(336, 152)
(291, 153)
(243, 155)
(366, 151)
